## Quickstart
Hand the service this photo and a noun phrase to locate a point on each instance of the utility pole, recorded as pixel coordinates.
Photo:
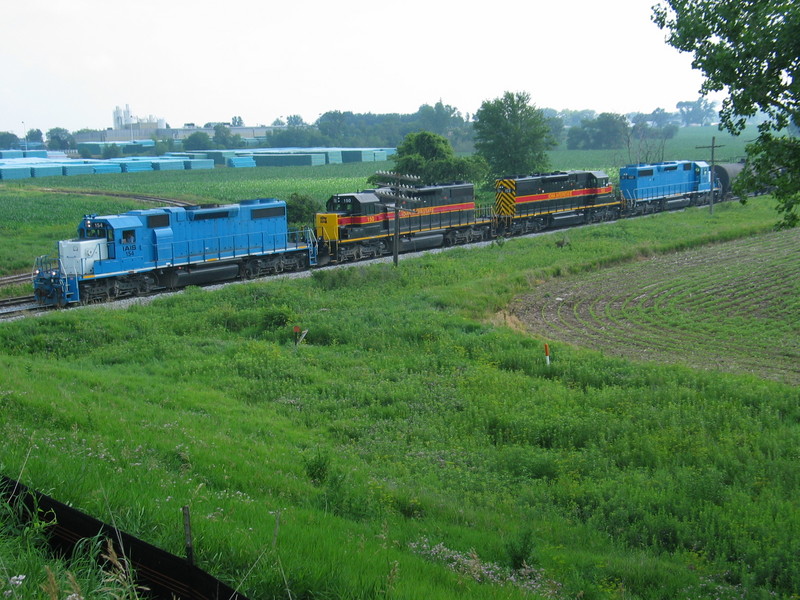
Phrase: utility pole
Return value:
(393, 197)
(713, 147)
(394, 207)
(396, 241)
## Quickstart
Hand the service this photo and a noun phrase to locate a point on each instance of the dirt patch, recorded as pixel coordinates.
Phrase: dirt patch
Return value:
(733, 306)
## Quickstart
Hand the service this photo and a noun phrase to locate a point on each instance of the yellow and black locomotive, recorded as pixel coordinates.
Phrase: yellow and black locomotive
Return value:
(361, 225)
(530, 203)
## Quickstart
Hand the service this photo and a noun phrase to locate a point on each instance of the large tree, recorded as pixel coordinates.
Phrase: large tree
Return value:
(8, 140)
(751, 49)
(696, 112)
(512, 135)
(607, 131)
(199, 140)
(35, 135)
(223, 137)
(59, 138)
(431, 157)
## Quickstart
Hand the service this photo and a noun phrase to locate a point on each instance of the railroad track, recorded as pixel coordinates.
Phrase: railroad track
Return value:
(15, 279)
(18, 301)
(15, 307)
(11, 308)
(143, 197)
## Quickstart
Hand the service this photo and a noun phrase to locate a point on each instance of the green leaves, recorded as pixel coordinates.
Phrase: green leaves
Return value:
(512, 135)
(431, 157)
(750, 49)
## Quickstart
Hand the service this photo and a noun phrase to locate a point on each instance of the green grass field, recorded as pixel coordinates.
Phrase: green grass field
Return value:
(687, 144)
(222, 184)
(415, 446)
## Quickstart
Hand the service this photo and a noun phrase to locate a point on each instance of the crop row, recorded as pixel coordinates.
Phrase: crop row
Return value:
(729, 306)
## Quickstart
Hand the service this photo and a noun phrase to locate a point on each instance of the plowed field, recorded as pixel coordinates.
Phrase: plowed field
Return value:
(733, 306)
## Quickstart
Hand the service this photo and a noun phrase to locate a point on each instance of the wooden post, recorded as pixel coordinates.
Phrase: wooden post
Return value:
(713, 147)
(396, 249)
(187, 533)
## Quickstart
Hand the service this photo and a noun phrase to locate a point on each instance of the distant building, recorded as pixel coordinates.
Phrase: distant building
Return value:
(128, 127)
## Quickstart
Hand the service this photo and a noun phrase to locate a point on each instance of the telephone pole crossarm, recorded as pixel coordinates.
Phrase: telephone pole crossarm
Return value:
(713, 148)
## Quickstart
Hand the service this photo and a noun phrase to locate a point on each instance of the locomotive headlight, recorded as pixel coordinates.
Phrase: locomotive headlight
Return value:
(52, 273)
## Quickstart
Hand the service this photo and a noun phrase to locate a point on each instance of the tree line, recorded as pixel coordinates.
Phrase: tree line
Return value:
(579, 129)
(748, 50)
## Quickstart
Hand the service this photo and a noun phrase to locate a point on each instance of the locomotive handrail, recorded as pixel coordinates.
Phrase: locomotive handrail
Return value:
(255, 243)
(485, 213)
(658, 191)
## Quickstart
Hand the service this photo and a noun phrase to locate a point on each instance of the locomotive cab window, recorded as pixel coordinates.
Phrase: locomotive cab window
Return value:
(92, 230)
(337, 204)
(92, 233)
(129, 236)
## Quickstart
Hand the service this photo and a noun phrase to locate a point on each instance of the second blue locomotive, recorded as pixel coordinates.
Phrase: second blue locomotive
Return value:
(652, 187)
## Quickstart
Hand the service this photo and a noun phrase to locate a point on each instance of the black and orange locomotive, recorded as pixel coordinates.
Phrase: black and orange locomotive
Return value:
(361, 225)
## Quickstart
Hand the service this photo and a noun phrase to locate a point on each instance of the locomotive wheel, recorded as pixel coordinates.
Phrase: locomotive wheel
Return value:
(142, 288)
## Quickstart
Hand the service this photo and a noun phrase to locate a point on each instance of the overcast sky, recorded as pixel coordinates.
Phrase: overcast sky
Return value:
(69, 63)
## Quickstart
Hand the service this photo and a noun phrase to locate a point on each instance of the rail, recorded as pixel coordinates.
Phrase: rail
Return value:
(7, 280)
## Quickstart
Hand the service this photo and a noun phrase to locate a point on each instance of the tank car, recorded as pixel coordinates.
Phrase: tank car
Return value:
(650, 187)
(362, 225)
(171, 247)
(724, 176)
(530, 203)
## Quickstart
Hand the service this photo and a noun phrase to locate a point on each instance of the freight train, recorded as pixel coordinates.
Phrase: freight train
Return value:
(167, 248)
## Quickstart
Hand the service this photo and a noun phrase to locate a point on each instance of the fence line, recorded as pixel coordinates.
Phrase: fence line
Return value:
(166, 575)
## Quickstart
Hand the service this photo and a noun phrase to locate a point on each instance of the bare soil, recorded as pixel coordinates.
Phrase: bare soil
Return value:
(733, 306)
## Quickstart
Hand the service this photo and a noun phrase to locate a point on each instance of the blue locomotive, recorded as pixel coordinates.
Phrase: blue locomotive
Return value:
(664, 185)
(171, 247)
